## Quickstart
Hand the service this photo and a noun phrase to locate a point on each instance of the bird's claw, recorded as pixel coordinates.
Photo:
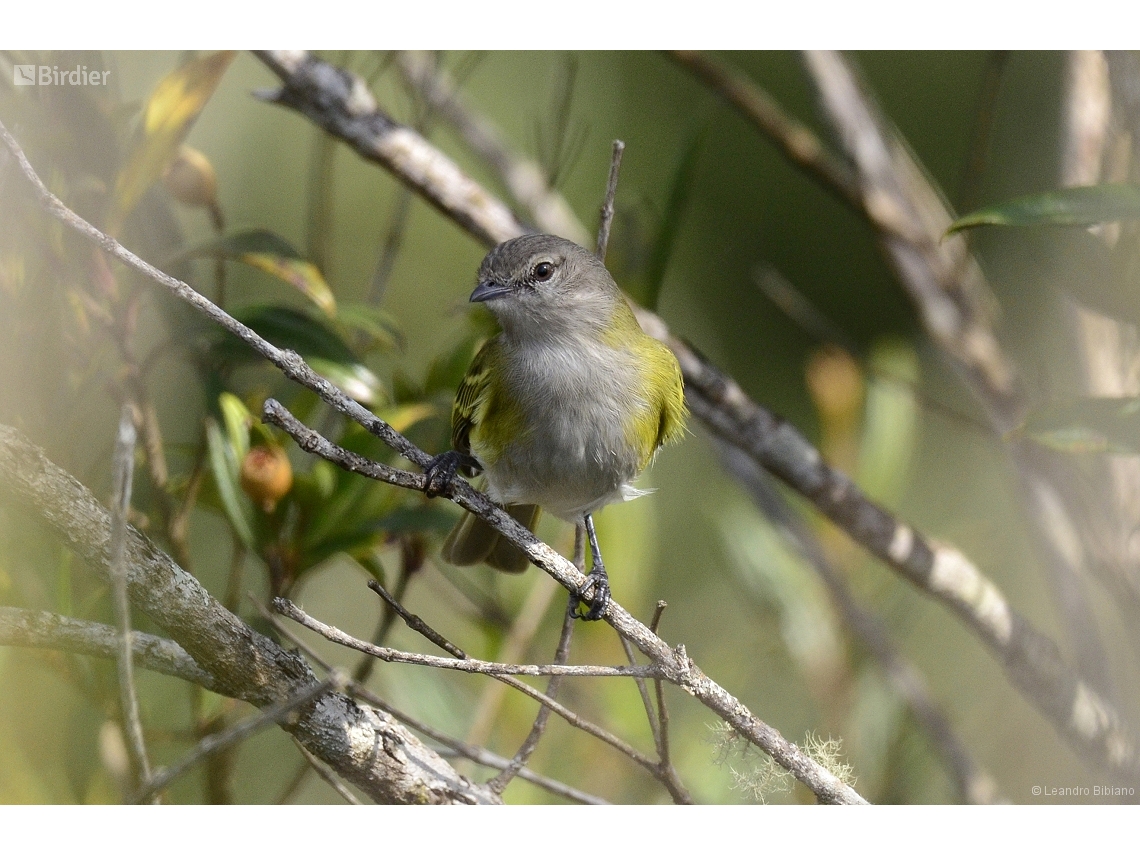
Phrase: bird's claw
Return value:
(441, 469)
(598, 582)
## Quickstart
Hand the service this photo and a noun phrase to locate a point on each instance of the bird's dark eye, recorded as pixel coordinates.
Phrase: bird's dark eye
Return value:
(543, 271)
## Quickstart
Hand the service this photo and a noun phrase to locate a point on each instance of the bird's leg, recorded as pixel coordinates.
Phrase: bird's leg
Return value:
(598, 581)
(441, 470)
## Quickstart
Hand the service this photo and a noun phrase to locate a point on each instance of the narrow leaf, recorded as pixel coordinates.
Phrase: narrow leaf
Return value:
(225, 469)
(274, 255)
(380, 328)
(167, 117)
(354, 379)
(237, 419)
(1074, 206)
(1088, 425)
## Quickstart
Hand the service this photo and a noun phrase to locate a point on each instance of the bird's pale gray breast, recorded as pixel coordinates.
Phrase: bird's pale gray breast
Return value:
(574, 455)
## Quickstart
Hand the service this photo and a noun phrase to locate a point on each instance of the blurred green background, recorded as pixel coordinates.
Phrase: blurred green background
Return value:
(749, 610)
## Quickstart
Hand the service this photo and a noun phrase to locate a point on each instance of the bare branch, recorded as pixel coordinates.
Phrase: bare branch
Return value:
(938, 272)
(471, 666)
(561, 655)
(377, 138)
(326, 776)
(472, 752)
(522, 177)
(796, 139)
(26, 628)
(415, 622)
(1031, 659)
(123, 469)
(242, 730)
(608, 203)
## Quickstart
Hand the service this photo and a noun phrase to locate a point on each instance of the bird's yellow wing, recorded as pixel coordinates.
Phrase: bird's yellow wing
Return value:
(471, 397)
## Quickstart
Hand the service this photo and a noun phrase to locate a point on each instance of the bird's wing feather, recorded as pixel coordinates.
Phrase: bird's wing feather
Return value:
(471, 396)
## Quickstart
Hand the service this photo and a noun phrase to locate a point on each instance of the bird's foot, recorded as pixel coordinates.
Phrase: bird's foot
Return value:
(441, 470)
(597, 587)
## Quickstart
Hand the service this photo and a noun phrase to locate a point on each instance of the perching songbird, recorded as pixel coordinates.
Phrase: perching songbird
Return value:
(563, 409)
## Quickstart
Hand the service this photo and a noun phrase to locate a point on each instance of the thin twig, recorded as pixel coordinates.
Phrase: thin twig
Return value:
(240, 731)
(561, 655)
(797, 140)
(415, 622)
(363, 669)
(123, 477)
(608, 203)
(514, 648)
(471, 666)
(293, 613)
(326, 776)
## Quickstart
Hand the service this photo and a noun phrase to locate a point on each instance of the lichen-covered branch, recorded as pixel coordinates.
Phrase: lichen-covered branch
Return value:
(364, 745)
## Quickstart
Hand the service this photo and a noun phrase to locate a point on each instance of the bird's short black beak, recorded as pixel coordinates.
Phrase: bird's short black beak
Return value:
(489, 291)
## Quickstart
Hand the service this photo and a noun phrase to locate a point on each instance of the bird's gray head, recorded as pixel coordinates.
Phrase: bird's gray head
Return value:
(539, 285)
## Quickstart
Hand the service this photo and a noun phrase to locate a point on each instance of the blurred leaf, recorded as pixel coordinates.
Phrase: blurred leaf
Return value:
(890, 420)
(226, 471)
(237, 420)
(1088, 425)
(320, 345)
(169, 112)
(286, 328)
(404, 416)
(447, 369)
(775, 574)
(354, 379)
(423, 517)
(380, 328)
(274, 255)
(1073, 206)
(680, 189)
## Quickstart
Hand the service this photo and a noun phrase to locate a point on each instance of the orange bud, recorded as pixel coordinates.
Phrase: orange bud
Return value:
(266, 476)
(191, 179)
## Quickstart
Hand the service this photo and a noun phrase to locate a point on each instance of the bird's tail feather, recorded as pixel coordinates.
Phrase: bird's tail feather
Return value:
(472, 541)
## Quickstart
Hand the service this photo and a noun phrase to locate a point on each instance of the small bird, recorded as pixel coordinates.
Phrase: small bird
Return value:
(561, 410)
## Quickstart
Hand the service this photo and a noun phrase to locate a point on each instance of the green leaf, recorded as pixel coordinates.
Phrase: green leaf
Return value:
(1074, 206)
(271, 253)
(319, 344)
(1088, 425)
(167, 117)
(226, 474)
(354, 379)
(380, 329)
(237, 420)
